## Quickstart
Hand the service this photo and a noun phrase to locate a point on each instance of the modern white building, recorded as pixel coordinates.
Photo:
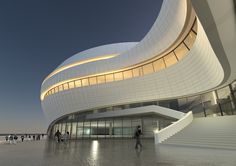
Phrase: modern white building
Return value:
(186, 62)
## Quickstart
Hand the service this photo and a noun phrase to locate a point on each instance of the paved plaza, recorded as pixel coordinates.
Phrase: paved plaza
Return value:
(110, 153)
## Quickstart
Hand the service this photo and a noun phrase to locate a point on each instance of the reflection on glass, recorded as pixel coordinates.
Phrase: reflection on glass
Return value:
(101, 79)
(181, 51)
(195, 26)
(94, 151)
(137, 72)
(158, 65)
(109, 78)
(60, 88)
(56, 89)
(127, 74)
(78, 83)
(190, 39)
(65, 86)
(170, 59)
(148, 68)
(85, 82)
(71, 84)
(92, 80)
(118, 76)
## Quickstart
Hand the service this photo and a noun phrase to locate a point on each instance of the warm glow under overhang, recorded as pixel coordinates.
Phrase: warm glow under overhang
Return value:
(102, 57)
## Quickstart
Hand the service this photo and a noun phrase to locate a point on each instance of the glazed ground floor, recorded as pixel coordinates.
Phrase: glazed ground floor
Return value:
(119, 127)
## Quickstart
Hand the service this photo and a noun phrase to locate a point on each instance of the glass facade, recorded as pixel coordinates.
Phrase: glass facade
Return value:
(122, 127)
(154, 65)
(220, 102)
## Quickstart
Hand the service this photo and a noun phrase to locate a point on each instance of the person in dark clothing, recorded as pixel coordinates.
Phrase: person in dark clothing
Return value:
(58, 135)
(138, 133)
(22, 138)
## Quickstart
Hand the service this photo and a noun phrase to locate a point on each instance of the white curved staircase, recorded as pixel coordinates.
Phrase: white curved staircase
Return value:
(210, 132)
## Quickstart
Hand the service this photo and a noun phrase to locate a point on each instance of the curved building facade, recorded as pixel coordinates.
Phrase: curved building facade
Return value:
(179, 65)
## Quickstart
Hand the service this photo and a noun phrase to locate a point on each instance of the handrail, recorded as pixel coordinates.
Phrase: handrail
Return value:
(174, 128)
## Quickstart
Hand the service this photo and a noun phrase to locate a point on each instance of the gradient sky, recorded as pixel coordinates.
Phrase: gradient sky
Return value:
(37, 35)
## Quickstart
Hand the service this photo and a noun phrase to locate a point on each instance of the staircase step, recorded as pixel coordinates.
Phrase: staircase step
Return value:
(214, 132)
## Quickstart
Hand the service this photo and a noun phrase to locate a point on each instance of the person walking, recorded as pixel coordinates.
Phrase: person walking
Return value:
(66, 137)
(58, 135)
(11, 138)
(22, 138)
(138, 133)
(15, 139)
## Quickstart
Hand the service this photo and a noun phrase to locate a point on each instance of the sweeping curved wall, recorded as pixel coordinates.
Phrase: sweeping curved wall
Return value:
(196, 71)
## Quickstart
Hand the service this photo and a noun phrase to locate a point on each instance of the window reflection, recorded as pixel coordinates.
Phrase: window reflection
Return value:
(118, 76)
(109, 78)
(190, 39)
(85, 82)
(92, 80)
(127, 74)
(101, 79)
(148, 68)
(158, 64)
(170, 59)
(181, 51)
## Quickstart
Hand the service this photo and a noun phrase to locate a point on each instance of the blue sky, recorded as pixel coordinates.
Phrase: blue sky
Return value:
(37, 35)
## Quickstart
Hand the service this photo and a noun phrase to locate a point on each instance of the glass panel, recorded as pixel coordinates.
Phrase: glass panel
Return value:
(53, 90)
(56, 89)
(118, 76)
(94, 127)
(86, 130)
(159, 64)
(127, 128)
(60, 88)
(101, 79)
(148, 127)
(85, 82)
(109, 127)
(225, 100)
(63, 128)
(80, 130)
(109, 78)
(234, 85)
(195, 104)
(68, 128)
(117, 130)
(101, 130)
(170, 59)
(181, 51)
(92, 80)
(195, 26)
(65, 86)
(78, 83)
(148, 68)
(137, 72)
(73, 131)
(210, 104)
(128, 74)
(58, 127)
(134, 123)
(189, 41)
(71, 84)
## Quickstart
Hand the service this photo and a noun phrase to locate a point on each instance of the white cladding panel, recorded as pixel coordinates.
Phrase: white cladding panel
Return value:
(163, 33)
(200, 70)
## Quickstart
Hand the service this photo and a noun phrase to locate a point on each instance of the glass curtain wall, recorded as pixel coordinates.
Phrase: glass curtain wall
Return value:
(220, 102)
